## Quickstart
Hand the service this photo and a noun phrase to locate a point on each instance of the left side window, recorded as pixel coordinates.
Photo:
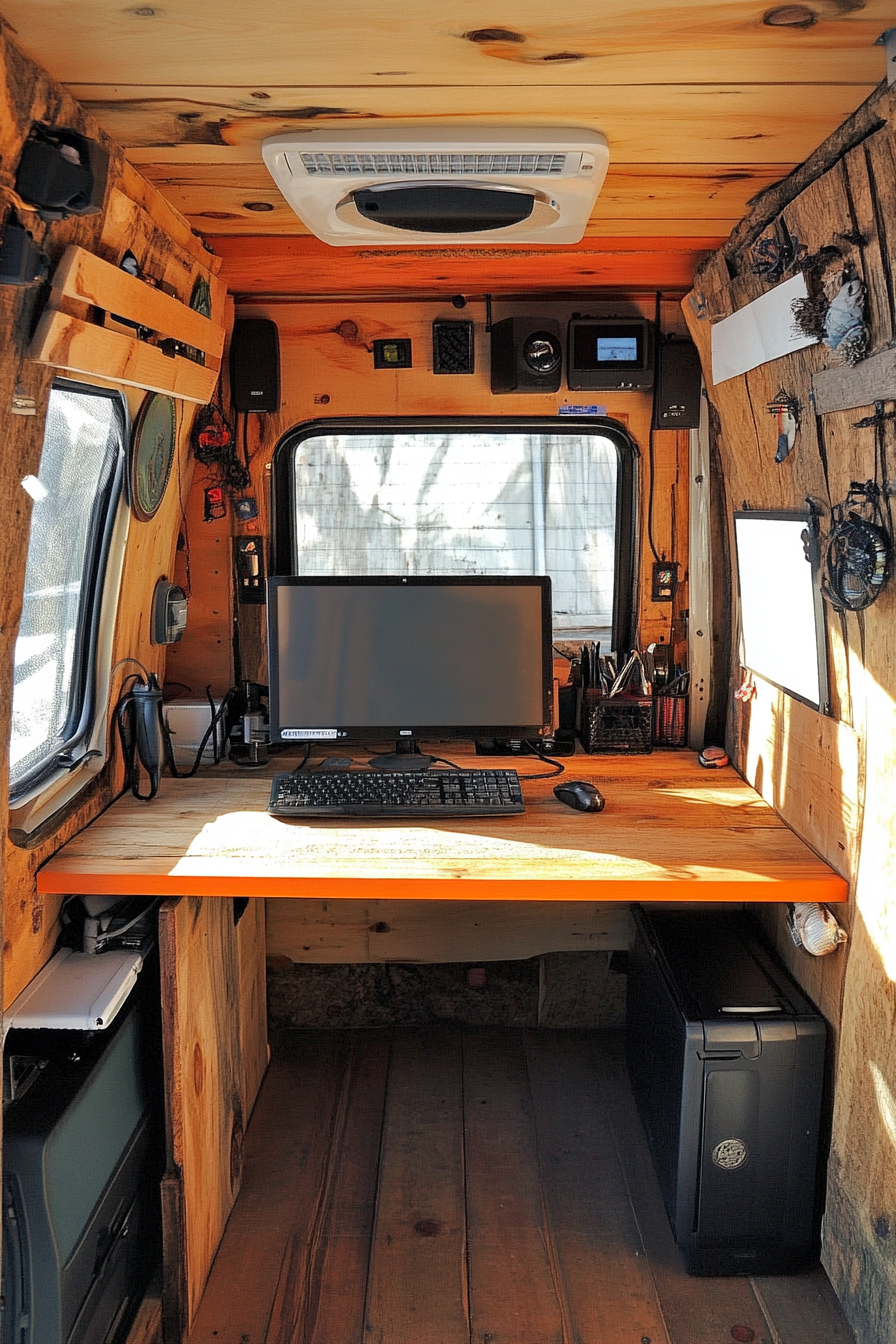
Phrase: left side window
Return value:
(76, 499)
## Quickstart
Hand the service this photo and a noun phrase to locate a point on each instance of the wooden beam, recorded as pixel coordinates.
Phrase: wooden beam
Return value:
(850, 386)
(306, 266)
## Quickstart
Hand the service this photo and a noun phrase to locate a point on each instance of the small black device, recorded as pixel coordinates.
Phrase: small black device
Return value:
(605, 354)
(452, 347)
(255, 364)
(400, 793)
(81, 1155)
(21, 260)
(678, 385)
(394, 353)
(62, 173)
(726, 1059)
(663, 580)
(409, 659)
(140, 728)
(580, 794)
(526, 355)
(248, 556)
(168, 620)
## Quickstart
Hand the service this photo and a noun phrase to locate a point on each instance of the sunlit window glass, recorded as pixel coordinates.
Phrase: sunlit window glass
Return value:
(77, 489)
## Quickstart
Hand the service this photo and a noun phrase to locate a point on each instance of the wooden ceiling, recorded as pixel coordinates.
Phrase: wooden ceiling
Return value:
(703, 104)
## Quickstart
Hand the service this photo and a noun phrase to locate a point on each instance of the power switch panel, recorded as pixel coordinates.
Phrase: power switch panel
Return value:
(678, 386)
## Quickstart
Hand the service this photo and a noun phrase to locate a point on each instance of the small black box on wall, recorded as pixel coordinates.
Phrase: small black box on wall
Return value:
(678, 385)
(527, 355)
(255, 365)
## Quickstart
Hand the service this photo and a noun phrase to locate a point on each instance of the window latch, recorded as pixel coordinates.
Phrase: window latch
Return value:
(66, 761)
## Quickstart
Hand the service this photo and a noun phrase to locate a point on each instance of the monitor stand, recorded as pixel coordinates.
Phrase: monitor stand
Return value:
(406, 756)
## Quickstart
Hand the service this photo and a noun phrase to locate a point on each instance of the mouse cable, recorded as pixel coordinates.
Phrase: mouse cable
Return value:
(558, 769)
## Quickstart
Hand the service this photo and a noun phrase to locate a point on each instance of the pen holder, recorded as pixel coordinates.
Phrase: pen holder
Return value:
(618, 725)
(670, 720)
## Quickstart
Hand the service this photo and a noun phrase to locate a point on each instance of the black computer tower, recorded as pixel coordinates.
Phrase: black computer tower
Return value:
(81, 1167)
(726, 1059)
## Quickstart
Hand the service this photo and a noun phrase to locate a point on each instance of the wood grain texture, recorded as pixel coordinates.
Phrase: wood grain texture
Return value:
(324, 933)
(287, 1156)
(515, 1290)
(349, 46)
(305, 267)
(208, 1080)
(417, 1286)
(669, 832)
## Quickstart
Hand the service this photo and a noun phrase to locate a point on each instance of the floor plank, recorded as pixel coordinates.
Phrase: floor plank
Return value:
(513, 1293)
(601, 1260)
(285, 1156)
(417, 1286)
(320, 1293)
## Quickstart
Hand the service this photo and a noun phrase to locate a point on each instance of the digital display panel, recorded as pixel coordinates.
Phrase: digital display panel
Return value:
(612, 349)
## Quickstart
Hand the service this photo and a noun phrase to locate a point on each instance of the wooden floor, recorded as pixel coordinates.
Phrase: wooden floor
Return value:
(447, 1185)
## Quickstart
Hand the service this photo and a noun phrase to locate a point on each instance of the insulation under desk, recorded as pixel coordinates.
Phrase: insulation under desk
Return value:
(670, 831)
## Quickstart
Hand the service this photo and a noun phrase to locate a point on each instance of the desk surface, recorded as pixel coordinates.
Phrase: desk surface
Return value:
(670, 831)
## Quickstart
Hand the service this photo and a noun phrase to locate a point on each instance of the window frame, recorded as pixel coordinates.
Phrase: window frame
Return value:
(84, 710)
(625, 598)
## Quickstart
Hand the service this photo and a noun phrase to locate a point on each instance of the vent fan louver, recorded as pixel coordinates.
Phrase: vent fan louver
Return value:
(520, 184)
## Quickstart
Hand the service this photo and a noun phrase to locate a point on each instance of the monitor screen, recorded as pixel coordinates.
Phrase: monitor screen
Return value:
(597, 345)
(389, 657)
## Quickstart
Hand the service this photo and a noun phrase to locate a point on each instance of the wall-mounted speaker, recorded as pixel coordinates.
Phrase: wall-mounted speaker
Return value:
(678, 385)
(527, 355)
(255, 365)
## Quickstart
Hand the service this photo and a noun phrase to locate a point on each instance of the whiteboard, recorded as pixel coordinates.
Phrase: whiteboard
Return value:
(781, 612)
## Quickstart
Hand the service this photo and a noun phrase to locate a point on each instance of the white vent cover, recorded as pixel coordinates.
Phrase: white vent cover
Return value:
(439, 187)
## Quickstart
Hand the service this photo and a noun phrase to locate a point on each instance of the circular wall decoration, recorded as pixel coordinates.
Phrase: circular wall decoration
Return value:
(152, 453)
(730, 1154)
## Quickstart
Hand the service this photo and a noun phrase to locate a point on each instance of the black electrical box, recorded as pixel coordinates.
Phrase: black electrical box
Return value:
(605, 354)
(678, 385)
(526, 355)
(255, 365)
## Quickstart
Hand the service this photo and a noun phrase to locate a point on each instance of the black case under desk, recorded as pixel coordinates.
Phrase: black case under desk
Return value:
(726, 1058)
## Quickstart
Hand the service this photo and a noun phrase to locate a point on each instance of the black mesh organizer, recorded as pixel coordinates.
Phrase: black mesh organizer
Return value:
(615, 725)
(452, 347)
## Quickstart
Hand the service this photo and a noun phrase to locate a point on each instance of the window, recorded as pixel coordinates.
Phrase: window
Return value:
(75, 501)
(474, 497)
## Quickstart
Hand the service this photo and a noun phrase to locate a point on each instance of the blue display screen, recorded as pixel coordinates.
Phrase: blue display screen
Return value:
(617, 349)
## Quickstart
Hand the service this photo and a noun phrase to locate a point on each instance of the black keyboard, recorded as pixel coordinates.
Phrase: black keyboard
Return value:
(397, 793)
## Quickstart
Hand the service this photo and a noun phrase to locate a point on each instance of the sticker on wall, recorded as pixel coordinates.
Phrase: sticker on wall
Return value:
(786, 409)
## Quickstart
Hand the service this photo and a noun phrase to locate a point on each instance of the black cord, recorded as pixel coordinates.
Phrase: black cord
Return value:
(558, 769)
(658, 336)
(216, 717)
(304, 761)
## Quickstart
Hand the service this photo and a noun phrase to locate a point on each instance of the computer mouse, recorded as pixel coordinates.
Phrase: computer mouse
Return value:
(580, 794)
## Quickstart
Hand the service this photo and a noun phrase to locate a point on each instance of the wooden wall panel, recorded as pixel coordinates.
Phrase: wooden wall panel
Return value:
(139, 220)
(327, 370)
(831, 778)
(214, 1036)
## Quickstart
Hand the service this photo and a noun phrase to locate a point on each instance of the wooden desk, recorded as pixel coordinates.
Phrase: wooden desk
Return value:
(670, 831)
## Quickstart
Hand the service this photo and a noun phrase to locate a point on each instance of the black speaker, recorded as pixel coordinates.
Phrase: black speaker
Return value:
(255, 365)
(678, 384)
(527, 355)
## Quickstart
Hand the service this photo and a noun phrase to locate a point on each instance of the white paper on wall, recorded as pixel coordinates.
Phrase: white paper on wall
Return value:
(761, 331)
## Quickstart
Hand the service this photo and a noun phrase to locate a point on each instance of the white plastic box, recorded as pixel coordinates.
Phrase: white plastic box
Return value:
(187, 721)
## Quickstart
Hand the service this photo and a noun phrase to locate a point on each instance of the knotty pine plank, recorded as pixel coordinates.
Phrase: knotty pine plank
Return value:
(417, 1288)
(514, 1289)
(720, 122)
(596, 1241)
(286, 1157)
(322, 1289)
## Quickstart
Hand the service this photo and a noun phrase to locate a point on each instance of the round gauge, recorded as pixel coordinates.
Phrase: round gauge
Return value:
(542, 352)
(152, 453)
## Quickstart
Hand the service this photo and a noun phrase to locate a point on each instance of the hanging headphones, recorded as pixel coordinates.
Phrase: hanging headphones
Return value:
(857, 550)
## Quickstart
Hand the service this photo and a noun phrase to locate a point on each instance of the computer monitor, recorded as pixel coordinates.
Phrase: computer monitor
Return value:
(359, 660)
